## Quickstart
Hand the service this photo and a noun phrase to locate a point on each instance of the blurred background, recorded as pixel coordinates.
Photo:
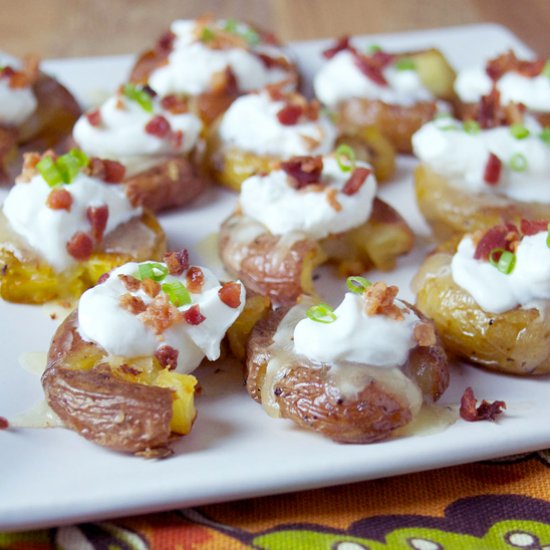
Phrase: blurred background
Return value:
(61, 28)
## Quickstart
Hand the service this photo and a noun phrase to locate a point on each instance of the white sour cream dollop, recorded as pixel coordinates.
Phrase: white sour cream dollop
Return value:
(497, 292)
(273, 201)
(47, 230)
(103, 320)
(461, 157)
(340, 79)
(251, 124)
(121, 134)
(192, 64)
(16, 104)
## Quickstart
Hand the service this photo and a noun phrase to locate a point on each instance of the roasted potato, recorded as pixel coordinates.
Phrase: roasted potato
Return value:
(290, 386)
(282, 267)
(131, 405)
(450, 211)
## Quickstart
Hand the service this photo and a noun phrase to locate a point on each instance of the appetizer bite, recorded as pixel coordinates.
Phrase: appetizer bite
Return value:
(396, 92)
(36, 113)
(261, 129)
(489, 297)
(354, 374)
(65, 223)
(518, 81)
(308, 211)
(118, 366)
(479, 173)
(211, 62)
(154, 138)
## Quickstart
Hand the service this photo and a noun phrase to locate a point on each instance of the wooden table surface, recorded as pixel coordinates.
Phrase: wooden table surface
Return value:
(61, 28)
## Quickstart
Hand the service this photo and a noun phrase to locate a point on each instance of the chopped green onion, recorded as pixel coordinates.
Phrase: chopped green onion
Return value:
(69, 165)
(230, 25)
(345, 157)
(141, 97)
(546, 69)
(518, 162)
(321, 313)
(152, 270)
(177, 293)
(471, 127)
(442, 114)
(207, 34)
(357, 284)
(373, 48)
(48, 169)
(519, 131)
(448, 127)
(405, 64)
(545, 135)
(548, 236)
(252, 37)
(506, 260)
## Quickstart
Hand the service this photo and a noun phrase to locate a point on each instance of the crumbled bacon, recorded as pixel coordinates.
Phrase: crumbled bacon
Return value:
(193, 315)
(127, 369)
(98, 216)
(160, 314)
(331, 193)
(508, 62)
(166, 42)
(230, 294)
(80, 246)
(175, 104)
(4, 424)
(176, 139)
(290, 114)
(500, 236)
(303, 170)
(491, 174)
(372, 66)
(310, 142)
(103, 278)
(158, 126)
(60, 199)
(532, 227)
(340, 45)
(94, 117)
(379, 300)
(177, 262)
(132, 284)
(484, 411)
(356, 180)
(30, 160)
(150, 287)
(424, 334)
(167, 356)
(114, 171)
(312, 109)
(133, 304)
(95, 168)
(489, 112)
(7, 72)
(195, 279)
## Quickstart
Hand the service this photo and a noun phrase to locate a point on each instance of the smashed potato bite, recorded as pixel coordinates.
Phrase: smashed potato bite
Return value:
(303, 365)
(56, 240)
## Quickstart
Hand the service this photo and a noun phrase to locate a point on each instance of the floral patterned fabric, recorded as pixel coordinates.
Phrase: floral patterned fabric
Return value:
(503, 504)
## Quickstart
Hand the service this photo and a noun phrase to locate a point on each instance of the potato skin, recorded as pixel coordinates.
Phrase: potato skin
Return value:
(514, 342)
(451, 211)
(306, 394)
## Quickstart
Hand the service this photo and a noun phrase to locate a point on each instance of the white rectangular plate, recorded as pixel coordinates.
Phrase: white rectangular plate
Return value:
(53, 476)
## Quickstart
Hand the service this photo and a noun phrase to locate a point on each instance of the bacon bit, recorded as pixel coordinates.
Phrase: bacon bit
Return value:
(127, 369)
(290, 114)
(356, 180)
(224, 82)
(28, 171)
(176, 139)
(177, 262)
(332, 200)
(132, 284)
(158, 126)
(485, 410)
(491, 175)
(160, 314)
(167, 356)
(379, 300)
(372, 66)
(532, 227)
(114, 171)
(103, 278)
(4, 424)
(303, 170)
(230, 294)
(340, 45)
(98, 216)
(151, 288)
(7, 72)
(424, 334)
(195, 279)
(59, 199)
(276, 91)
(176, 105)
(95, 168)
(310, 143)
(132, 303)
(165, 43)
(312, 110)
(508, 62)
(500, 236)
(489, 113)
(94, 118)
(80, 246)
(193, 315)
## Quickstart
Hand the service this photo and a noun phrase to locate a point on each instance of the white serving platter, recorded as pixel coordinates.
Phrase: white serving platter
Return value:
(53, 476)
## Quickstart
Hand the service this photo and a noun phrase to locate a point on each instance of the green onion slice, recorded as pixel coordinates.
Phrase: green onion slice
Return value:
(69, 165)
(178, 294)
(321, 313)
(357, 284)
(519, 131)
(546, 69)
(471, 127)
(252, 37)
(48, 169)
(545, 135)
(207, 34)
(373, 48)
(345, 157)
(518, 162)
(503, 260)
(405, 64)
(141, 97)
(152, 270)
(548, 237)
(230, 25)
